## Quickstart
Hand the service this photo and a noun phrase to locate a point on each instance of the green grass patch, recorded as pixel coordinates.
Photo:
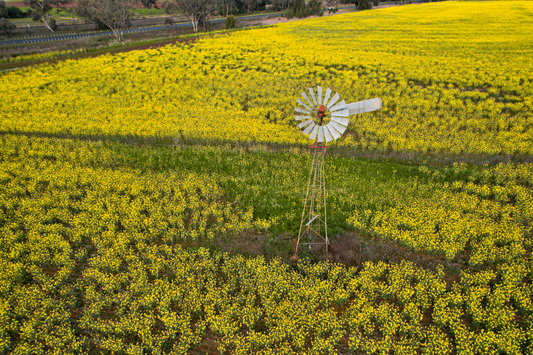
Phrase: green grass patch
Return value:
(146, 12)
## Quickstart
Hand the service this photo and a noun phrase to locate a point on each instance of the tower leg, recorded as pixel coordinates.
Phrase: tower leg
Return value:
(314, 220)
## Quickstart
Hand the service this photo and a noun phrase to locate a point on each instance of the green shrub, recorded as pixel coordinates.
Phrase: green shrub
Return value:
(169, 22)
(6, 27)
(15, 12)
(231, 20)
(364, 5)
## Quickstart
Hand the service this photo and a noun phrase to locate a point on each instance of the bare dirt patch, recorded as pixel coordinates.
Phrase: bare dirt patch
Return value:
(351, 249)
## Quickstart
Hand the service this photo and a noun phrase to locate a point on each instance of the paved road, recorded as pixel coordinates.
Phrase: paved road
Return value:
(188, 24)
(62, 38)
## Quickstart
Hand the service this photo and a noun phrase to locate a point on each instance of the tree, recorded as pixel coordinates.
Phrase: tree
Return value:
(73, 16)
(195, 10)
(3, 9)
(281, 4)
(315, 7)
(42, 11)
(228, 4)
(6, 27)
(114, 14)
(301, 9)
(250, 4)
(297, 10)
(149, 4)
(15, 12)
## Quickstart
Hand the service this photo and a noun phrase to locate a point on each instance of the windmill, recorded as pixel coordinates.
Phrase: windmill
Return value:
(323, 119)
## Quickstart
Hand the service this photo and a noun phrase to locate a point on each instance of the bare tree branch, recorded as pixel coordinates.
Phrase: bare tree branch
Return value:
(42, 10)
(195, 10)
(114, 14)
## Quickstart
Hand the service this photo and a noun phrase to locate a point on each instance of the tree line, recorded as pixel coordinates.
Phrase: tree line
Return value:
(116, 15)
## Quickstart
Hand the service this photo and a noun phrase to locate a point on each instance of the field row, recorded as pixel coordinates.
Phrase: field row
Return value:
(441, 91)
(90, 235)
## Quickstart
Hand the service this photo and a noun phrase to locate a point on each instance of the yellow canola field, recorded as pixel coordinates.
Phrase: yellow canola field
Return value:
(90, 255)
(454, 77)
(89, 260)
(485, 219)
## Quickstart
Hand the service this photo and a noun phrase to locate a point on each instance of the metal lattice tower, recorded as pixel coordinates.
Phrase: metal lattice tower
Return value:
(314, 224)
(323, 119)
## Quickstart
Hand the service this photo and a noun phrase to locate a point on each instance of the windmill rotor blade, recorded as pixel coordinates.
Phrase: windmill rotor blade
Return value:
(319, 89)
(301, 110)
(338, 127)
(336, 135)
(307, 98)
(308, 129)
(340, 106)
(333, 100)
(312, 95)
(303, 104)
(326, 98)
(305, 123)
(313, 133)
(341, 113)
(365, 106)
(327, 134)
(320, 134)
(299, 118)
(343, 121)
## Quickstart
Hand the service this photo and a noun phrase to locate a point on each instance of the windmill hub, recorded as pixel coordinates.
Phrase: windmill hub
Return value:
(322, 116)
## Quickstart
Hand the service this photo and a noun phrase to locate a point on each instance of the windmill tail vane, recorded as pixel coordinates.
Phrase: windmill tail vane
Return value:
(322, 118)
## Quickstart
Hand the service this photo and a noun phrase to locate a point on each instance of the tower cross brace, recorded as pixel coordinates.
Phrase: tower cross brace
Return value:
(314, 225)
